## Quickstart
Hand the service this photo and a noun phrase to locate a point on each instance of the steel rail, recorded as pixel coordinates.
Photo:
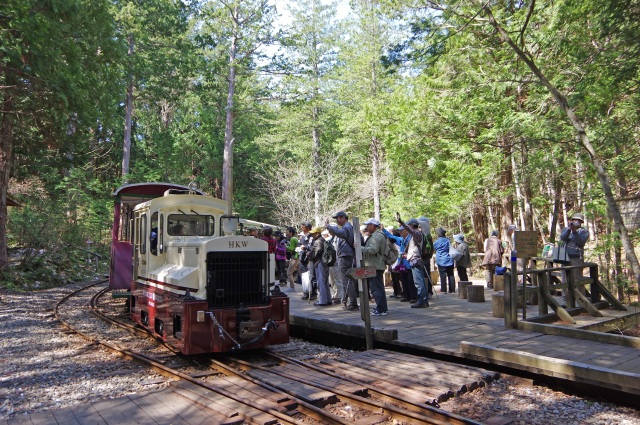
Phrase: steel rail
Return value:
(413, 413)
(167, 371)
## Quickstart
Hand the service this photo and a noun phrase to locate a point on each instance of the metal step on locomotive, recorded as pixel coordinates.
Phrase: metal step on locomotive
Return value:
(194, 282)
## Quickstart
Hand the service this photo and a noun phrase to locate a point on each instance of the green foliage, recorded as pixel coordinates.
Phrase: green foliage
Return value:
(43, 269)
(50, 231)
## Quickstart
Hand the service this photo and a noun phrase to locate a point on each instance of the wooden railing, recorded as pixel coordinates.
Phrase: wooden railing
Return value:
(540, 282)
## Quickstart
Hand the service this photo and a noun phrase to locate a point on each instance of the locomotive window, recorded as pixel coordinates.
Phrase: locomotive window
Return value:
(143, 233)
(126, 215)
(153, 235)
(190, 225)
(161, 234)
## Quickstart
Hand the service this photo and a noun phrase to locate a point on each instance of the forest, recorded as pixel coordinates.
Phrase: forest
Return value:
(477, 114)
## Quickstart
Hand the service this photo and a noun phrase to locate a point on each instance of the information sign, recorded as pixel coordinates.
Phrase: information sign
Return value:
(526, 244)
(362, 272)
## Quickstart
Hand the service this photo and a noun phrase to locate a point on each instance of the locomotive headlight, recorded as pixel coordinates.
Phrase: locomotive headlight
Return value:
(200, 316)
(193, 186)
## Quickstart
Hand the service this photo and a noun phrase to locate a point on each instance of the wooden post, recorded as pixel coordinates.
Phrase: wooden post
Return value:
(497, 304)
(475, 293)
(363, 286)
(543, 308)
(498, 282)
(571, 288)
(462, 289)
(513, 284)
(594, 289)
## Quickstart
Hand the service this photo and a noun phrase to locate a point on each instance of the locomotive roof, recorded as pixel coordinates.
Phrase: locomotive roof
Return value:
(177, 200)
(151, 189)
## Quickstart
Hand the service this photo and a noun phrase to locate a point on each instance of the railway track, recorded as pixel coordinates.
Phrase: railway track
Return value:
(263, 387)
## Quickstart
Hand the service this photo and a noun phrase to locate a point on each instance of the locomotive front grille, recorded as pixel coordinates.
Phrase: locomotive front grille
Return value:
(237, 278)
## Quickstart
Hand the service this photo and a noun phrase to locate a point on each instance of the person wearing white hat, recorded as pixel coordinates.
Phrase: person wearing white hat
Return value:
(373, 255)
(575, 237)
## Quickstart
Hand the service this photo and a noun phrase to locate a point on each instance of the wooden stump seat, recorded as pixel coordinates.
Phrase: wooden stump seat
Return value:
(497, 304)
(462, 289)
(475, 293)
(498, 282)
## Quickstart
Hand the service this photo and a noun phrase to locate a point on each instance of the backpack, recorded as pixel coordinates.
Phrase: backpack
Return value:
(426, 248)
(329, 255)
(454, 253)
(390, 253)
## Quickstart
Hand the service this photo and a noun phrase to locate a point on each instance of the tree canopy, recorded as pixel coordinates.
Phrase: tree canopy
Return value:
(475, 114)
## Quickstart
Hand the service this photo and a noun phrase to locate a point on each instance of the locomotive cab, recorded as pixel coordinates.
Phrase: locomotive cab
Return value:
(196, 284)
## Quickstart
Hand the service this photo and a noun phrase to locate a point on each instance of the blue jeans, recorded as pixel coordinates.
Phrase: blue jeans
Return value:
(418, 278)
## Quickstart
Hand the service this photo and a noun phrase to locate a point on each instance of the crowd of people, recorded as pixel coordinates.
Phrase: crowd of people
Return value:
(319, 259)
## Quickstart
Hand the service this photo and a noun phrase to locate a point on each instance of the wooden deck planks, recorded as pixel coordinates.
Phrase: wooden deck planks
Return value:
(156, 409)
(87, 414)
(256, 415)
(42, 418)
(121, 411)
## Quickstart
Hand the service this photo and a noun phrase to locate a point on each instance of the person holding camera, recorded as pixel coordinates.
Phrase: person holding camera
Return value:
(575, 237)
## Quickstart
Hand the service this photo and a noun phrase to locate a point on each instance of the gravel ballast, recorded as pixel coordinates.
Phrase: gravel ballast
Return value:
(42, 368)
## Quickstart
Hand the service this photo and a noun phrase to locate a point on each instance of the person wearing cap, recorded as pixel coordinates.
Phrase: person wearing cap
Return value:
(373, 255)
(413, 254)
(465, 260)
(444, 261)
(294, 261)
(321, 270)
(493, 251)
(345, 253)
(575, 237)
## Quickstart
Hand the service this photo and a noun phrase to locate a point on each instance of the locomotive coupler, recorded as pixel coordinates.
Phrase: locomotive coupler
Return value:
(270, 325)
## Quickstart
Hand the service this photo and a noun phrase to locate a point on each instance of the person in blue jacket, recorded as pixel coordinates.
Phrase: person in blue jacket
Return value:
(444, 261)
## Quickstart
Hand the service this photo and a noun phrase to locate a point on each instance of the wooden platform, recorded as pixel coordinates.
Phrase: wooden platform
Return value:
(456, 327)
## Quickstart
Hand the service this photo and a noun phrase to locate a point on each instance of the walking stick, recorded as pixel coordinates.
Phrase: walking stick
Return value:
(428, 274)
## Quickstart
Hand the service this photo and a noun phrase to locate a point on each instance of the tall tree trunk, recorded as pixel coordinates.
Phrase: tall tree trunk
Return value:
(128, 112)
(583, 139)
(526, 191)
(506, 184)
(479, 217)
(519, 194)
(557, 194)
(492, 220)
(315, 157)
(227, 166)
(617, 250)
(375, 170)
(540, 229)
(6, 135)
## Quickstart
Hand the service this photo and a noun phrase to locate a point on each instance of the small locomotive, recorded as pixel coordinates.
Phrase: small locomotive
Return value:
(194, 282)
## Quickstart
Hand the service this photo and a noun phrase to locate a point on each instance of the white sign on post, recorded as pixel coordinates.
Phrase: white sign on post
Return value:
(526, 244)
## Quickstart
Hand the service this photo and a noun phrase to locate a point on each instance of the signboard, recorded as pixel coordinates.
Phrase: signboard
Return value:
(526, 244)
(362, 272)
